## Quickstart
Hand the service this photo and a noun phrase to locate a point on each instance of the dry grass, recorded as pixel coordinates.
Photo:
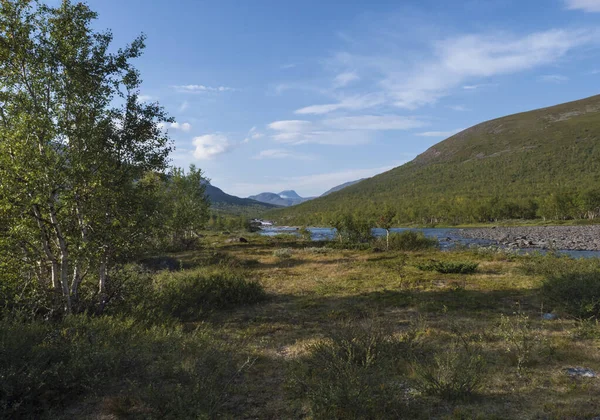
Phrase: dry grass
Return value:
(313, 293)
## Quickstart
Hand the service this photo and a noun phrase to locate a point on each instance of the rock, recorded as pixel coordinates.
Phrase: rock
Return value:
(581, 372)
(235, 240)
(549, 317)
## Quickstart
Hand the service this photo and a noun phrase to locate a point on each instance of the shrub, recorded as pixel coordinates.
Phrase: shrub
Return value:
(520, 339)
(187, 295)
(454, 373)
(283, 253)
(317, 250)
(409, 240)
(353, 373)
(449, 267)
(46, 366)
(577, 293)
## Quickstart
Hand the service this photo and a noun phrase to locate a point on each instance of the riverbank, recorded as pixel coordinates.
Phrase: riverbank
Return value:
(577, 238)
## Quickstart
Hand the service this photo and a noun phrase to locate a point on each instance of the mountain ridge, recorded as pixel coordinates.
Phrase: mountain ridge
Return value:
(517, 166)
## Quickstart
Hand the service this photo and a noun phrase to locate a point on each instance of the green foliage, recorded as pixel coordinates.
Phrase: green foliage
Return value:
(575, 292)
(351, 228)
(353, 373)
(283, 253)
(187, 295)
(454, 373)
(520, 339)
(538, 164)
(46, 366)
(317, 250)
(449, 267)
(408, 241)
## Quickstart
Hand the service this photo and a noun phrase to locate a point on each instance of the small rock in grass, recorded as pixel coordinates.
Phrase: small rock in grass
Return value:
(580, 371)
(549, 317)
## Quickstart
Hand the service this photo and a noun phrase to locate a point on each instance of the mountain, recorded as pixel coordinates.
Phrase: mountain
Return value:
(285, 198)
(341, 187)
(291, 194)
(541, 163)
(226, 203)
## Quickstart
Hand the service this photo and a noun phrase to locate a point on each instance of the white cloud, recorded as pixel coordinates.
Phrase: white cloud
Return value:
(184, 105)
(585, 5)
(343, 79)
(287, 66)
(459, 108)
(439, 133)
(282, 154)
(209, 146)
(202, 88)
(291, 126)
(353, 103)
(479, 86)
(309, 184)
(375, 122)
(253, 134)
(553, 78)
(436, 68)
(185, 127)
(304, 132)
(145, 98)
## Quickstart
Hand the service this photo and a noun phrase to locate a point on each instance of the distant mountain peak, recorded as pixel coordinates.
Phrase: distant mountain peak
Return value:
(289, 194)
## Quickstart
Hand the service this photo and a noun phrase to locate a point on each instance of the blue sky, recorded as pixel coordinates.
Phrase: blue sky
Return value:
(279, 94)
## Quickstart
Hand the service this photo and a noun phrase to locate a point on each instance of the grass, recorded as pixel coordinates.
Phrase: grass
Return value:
(341, 334)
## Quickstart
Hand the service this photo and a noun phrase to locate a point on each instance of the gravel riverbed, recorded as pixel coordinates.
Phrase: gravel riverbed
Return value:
(580, 238)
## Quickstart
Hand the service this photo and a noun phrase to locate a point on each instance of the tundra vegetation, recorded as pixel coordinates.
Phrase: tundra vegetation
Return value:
(118, 301)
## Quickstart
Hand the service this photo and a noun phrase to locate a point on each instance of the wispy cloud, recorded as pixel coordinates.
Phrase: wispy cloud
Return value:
(145, 98)
(253, 134)
(465, 61)
(353, 103)
(209, 146)
(442, 134)
(202, 88)
(344, 79)
(184, 105)
(283, 154)
(287, 66)
(478, 86)
(304, 132)
(585, 5)
(375, 122)
(553, 78)
(459, 108)
(176, 126)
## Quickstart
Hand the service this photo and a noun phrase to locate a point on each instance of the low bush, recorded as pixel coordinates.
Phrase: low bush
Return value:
(283, 253)
(46, 366)
(520, 339)
(576, 293)
(454, 373)
(187, 295)
(354, 373)
(317, 250)
(409, 240)
(449, 267)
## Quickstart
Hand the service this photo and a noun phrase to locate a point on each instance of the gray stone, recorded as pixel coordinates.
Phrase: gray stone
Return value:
(549, 317)
(581, 372)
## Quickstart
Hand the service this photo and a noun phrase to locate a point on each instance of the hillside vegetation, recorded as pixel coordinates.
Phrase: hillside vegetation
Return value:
(538, 164)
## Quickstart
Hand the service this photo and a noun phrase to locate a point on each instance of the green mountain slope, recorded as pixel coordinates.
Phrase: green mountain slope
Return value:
(229, 204)
(542, 163)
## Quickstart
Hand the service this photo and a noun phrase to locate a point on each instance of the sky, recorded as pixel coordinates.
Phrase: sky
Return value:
(270, 95)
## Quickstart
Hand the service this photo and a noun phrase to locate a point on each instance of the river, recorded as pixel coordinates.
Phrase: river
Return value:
(448, 238)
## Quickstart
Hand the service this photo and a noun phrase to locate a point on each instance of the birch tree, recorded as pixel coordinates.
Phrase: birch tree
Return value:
(74, 139)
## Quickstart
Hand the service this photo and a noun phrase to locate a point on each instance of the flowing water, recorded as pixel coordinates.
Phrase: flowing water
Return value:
(448, 238)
